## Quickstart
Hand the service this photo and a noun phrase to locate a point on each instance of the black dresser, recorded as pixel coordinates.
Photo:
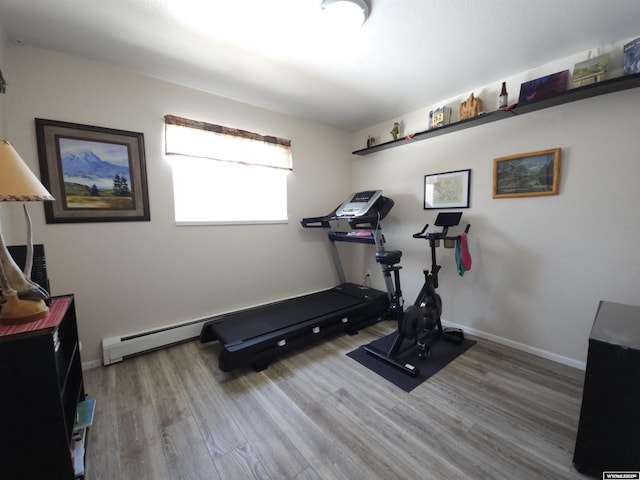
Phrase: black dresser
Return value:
(609, 431)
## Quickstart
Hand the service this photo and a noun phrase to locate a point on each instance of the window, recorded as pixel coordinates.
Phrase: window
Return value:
(226, 175)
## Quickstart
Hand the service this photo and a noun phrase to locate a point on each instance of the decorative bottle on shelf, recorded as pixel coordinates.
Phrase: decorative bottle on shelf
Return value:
(503, 99)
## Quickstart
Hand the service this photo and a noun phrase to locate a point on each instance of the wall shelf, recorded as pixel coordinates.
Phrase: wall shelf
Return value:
(573, 95)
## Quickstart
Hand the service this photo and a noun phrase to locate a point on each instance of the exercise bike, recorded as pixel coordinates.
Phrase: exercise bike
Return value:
(421, 322)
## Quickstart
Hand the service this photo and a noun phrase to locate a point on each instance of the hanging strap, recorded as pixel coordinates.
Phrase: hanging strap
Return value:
(463, 257)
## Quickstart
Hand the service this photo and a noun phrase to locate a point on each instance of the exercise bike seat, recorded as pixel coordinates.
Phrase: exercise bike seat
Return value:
(388, 257)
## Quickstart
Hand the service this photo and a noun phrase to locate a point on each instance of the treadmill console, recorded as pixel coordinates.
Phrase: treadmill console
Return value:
(358, 204)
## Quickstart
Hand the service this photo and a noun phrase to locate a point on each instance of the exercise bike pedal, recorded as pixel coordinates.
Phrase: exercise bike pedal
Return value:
(424, 350)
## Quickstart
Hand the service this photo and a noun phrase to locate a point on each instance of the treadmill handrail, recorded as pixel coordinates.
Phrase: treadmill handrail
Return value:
(315, 222)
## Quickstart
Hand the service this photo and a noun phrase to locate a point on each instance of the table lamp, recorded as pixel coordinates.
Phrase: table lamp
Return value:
(21, 300)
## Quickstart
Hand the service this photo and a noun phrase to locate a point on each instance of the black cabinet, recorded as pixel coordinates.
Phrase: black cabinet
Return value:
(608, 437)
(41, 379)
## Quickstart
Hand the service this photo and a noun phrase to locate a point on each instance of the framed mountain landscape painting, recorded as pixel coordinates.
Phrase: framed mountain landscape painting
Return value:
(95, 174)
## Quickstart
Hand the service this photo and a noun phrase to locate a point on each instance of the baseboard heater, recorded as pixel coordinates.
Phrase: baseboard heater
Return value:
(115, 349)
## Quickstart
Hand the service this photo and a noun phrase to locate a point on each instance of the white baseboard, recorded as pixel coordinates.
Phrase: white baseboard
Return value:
(115, 349)
(91, 364)
(520, 346)
(471, 331)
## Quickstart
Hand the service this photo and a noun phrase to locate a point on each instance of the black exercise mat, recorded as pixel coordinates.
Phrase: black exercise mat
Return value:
(443, 353)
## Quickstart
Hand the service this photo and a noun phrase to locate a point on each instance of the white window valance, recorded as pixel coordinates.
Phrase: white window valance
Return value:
(194, 138)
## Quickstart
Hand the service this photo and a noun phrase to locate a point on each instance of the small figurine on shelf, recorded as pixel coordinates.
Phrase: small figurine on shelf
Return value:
(395, 130)
(471, 107)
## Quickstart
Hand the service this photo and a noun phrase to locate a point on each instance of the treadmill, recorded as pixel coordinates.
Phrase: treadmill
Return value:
(253, 337)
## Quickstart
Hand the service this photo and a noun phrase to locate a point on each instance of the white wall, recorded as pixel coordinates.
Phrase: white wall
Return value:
(136, 275)
(540, 264)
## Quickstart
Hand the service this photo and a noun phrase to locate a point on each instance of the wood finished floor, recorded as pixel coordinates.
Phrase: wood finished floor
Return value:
(493, 413)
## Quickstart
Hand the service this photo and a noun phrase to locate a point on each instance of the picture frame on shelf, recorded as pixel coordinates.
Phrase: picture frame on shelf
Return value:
(544, 87)
(591, 70)
(631, 55)
(447, 190)
(439, 117)
(95, 174)
(527, 174)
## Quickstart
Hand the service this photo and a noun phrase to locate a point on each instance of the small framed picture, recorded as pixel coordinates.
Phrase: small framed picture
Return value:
(544, 87)
(590, 70)
(95, 174)
(527, 174)
(632, 57)
(447, 190)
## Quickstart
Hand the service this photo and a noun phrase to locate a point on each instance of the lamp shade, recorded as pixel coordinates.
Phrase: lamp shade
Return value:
(17, 182)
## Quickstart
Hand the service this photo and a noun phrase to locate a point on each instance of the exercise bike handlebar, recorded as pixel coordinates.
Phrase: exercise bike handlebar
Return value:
(421, 232)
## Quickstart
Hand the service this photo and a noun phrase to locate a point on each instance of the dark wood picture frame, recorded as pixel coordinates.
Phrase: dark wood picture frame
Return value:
(527, 174)
(447, 190)
(95, 174)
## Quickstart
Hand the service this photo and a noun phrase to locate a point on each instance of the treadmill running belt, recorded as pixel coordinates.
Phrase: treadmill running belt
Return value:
(247, 324)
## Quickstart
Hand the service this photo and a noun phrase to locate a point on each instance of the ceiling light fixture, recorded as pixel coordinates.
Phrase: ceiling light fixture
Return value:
(346, 13)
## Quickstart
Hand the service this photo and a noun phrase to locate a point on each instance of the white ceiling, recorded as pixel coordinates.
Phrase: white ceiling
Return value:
(280, 55)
